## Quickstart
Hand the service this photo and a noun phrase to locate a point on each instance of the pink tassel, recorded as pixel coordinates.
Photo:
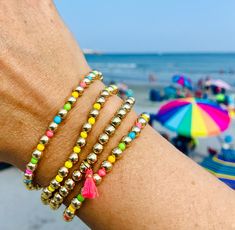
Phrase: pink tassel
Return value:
(89, 189)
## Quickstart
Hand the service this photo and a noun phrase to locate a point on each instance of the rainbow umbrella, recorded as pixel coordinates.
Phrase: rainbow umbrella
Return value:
(182, 80)
(194, 117)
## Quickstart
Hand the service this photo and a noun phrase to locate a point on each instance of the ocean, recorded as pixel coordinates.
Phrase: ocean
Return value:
(136, 68)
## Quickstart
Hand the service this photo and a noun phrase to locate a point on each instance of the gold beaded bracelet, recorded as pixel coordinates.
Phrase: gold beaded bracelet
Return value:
(106, 166)
(81, 142)
(44, 140)
(92, 157)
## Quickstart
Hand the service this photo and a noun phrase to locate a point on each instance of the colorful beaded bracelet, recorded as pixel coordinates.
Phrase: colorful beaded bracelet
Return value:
(81, 142)
(37, 153)
(89, 187)
(91, 159)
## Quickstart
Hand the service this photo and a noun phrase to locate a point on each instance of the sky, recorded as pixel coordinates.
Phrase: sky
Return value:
(151, 25)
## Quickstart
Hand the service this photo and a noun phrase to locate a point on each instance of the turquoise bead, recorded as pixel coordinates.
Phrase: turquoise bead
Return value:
(57, 119)
(132, 135)
(90, 77)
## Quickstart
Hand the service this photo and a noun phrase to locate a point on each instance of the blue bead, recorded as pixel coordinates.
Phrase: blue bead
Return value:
(57, 119)
(132, 135)
(89, 77)
(27, 181)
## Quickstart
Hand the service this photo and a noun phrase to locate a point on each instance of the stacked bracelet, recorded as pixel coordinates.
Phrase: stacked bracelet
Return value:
(73, 158)
(37, 153)
(106, 166)
(91, 159)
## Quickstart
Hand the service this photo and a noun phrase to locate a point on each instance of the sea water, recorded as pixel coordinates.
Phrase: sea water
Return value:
(136, 68)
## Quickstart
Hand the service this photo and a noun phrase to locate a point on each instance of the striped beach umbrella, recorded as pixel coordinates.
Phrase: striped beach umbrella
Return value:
(194, 117)
(222, 166)
(182, 80)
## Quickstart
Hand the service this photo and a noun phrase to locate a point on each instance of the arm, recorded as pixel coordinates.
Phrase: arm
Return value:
(152, 187)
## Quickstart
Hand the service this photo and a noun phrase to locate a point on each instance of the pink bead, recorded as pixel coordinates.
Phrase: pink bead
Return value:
(49, 133)
(83, 84)
(138, 125)
(101, 172)
(28, 171)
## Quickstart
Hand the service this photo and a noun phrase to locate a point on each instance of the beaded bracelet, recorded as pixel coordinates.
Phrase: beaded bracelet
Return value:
(86, 165)
(81, 142)
(89, 186)
(37, 153)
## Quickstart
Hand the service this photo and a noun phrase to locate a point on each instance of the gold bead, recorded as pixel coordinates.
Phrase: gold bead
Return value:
(112, 89)
(94, 113)
(76, 203)
(58, 198)
(28, 176)
(46, 193)
(69, 184)
(87, 127)
(32, 167)
(109, 130)
(72, 100)
(127, 107)
(127, 140)
(81, 142)
(116, 121)
(142, 121)
(44, 140)
(136, 130)
(87, 81)
(103, 138)
(107, 166)
(100, 75)
(121, 113)
(73, 157)
(146, 116)
(63, 172)
(130, 100)
(37, 154)
(77, 175)
(45, 201)
(97, 178)
(63, 191)
(53, 204)
(84, 166)
(55, 184)
(104, 93)
(98, 148)
(101, 101)
(91, 158)
(117, 152)
(53, 126)
(80, 90)
(69, 213)
(62, 113)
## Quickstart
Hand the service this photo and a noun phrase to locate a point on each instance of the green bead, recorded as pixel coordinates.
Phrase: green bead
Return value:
(67, 106)
(80, 198)
(122, 146)
(34, 160)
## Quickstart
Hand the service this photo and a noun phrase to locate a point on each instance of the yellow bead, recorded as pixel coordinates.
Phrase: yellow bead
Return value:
(50, 189)
(40, 147)
(112, 159)
(91, 120)
(83, 134)
(145, 117)
(76, 149)
(68, 164)
(75, 94)
(71, 208)
(59, 178)
(97, 106)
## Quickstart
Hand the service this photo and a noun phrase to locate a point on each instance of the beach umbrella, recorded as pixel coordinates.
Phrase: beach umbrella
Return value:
(218, 83)
(222, 166)
(194, 117)
(182, 80)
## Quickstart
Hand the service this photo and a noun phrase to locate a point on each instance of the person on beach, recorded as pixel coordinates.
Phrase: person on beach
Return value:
(153, 187)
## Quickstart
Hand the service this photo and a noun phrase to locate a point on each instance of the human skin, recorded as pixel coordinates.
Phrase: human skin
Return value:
(153, 186)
